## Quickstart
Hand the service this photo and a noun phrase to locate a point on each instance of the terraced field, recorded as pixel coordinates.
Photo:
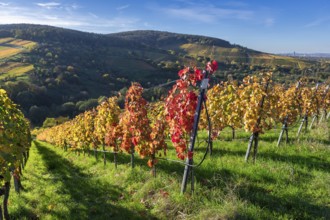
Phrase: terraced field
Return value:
(5, 40)
(17, 71)
(9, 49)
(6, 52)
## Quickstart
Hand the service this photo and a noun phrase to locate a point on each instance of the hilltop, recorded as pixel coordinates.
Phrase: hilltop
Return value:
(53, 72)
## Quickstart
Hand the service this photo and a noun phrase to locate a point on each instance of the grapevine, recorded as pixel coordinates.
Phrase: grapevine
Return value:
(180, 106)
(15, 142)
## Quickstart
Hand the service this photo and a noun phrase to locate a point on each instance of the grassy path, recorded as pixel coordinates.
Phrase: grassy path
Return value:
(289, 182)
(57, 188)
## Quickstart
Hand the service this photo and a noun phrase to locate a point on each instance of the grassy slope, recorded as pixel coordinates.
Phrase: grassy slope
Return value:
(290, 182)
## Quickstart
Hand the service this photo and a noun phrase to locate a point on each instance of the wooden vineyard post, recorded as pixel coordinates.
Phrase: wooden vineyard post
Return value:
(303, 121)
(247, 154)
(315, 117)
(284, 129)
(254, 137)
(254, 140)
(188, 170)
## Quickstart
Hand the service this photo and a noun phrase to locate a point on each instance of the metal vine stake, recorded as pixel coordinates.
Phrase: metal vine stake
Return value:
(188, 170)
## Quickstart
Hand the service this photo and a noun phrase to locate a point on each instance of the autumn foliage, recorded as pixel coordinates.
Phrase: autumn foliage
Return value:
(181, 104)
(256, 104)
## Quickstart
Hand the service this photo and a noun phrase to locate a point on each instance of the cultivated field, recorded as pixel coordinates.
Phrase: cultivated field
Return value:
(9, 49)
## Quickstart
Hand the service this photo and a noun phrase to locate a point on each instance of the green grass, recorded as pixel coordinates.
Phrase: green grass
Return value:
(289, 182)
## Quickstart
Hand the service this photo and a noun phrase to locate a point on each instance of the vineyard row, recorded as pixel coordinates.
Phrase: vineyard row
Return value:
(256, 105)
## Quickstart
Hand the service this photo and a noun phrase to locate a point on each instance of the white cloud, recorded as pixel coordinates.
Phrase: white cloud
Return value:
(62, 17)
(120, 23)
(318, 22)
(207, 14)
(75, 6)
(269, 22)
(189, 14)
(147, 24)
(93, 15)
(49, 5)
(4, 4)
(120, 8)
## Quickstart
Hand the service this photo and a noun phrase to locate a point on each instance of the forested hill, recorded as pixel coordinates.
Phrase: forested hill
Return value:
(169, 40)
(53, 72)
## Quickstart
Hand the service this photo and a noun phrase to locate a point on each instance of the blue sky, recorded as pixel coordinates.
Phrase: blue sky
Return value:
(273, 26)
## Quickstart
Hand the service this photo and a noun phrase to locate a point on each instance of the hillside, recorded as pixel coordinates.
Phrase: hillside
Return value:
(53, 72)
(202, 46)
